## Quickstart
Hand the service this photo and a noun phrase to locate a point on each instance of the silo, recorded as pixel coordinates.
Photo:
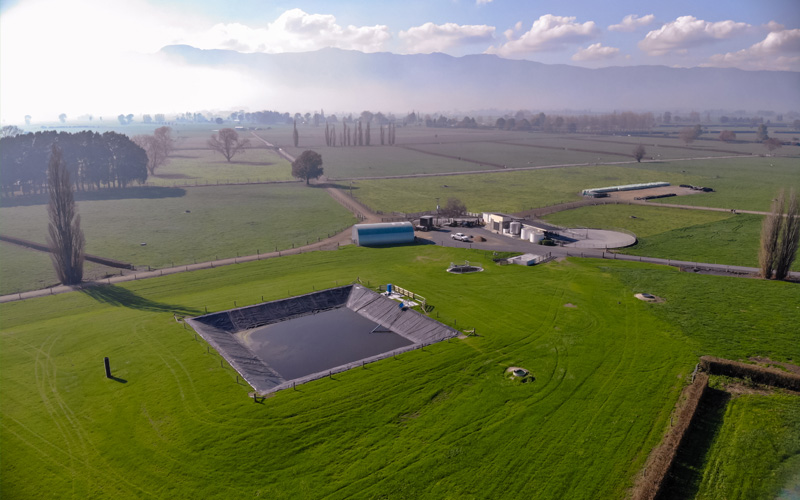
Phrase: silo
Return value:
(515, 228)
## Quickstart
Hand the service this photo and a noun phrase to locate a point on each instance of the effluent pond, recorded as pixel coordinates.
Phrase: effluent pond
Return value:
(317, 342)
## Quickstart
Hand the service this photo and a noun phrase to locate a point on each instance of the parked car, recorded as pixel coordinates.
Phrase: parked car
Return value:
(460, 237)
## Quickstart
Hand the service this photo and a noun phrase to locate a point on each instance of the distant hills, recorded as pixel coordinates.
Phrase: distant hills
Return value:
(344, 79)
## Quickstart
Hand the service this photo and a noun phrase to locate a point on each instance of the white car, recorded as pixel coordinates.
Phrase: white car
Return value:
(460, 237)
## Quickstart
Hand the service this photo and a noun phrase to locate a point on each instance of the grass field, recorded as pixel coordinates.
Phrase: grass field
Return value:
(438, 423)
(23, 269)
(222, 222)
(381, 161)
(203, 166)
(742, 446)
(674, 233)
(740, 183)
(757, 440)
(506, 191)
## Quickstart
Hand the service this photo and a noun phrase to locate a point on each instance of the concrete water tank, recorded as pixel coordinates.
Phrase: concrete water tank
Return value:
(515, 228)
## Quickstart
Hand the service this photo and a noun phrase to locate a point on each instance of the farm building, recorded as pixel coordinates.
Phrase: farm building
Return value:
(594, 192)
(515, 227)
(528, 259)
(386, 233)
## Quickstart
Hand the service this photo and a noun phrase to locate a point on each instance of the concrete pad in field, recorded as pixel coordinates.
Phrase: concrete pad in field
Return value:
(598, 238)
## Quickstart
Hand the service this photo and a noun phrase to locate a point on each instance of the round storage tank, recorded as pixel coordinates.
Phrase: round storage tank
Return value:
(515, 228)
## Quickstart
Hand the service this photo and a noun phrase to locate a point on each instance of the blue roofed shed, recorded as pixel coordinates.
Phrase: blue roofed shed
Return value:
(386, 233)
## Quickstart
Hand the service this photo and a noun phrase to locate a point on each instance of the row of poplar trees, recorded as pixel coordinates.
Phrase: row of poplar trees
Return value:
(352, 136)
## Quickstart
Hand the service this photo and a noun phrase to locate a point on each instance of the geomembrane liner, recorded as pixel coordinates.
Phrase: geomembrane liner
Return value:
(278, 344)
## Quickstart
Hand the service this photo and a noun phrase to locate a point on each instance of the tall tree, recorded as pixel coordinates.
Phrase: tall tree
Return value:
(65, 238)
(307, 166)
(772, 144)
(762, 133)
(780, 235)
(639, 152)
(454, 208)
(227, 143)
(367, 136)
(295, 135)
(790, 238)
(689, 134)
(10, 131)
(727, 136)
(157, 146)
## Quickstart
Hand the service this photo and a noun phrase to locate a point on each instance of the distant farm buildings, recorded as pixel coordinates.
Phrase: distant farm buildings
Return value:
(386, 233)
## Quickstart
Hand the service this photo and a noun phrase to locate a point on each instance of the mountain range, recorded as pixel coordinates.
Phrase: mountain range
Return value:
(351, 80)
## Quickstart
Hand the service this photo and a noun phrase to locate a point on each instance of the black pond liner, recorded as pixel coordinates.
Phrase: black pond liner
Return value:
(279, 344)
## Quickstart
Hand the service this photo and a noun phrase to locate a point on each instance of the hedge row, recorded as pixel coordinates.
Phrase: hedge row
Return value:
(756, 373)
(649, 484)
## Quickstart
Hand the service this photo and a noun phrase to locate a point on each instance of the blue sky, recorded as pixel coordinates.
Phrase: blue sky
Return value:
(91, 44)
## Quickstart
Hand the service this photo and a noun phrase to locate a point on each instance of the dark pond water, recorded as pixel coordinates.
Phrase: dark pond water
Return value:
(319, 342)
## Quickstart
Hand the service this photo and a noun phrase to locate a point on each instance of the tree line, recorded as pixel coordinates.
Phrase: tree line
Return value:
(93, 160)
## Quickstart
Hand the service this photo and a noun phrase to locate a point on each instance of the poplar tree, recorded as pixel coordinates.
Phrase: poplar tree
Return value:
(780, 237)
(65, 237)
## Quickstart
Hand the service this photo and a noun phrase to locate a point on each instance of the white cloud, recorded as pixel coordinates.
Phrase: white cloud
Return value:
(482, 2)
(595, 52)
(632, 22)
(780, 50)
(686, 32)
(549, 32)
(293, 31)
(440, 37)
(774, 26)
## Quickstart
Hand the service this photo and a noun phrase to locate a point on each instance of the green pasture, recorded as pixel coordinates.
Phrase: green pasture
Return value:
(756, 452)
(675, 233)
(642, 220)
(504, 191)
(222, 221)
(742, 446)
(733, 318)
(207, 167)
(23, 269)
(519, 156)
(748, 183)
(438, 423)
(382, 161)
(674, 147)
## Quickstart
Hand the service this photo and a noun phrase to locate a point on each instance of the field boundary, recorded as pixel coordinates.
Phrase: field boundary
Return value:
(757, 373)
(649, 485)
(44, 248)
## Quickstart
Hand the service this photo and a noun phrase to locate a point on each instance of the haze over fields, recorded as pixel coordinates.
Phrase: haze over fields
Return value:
(135, 56)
